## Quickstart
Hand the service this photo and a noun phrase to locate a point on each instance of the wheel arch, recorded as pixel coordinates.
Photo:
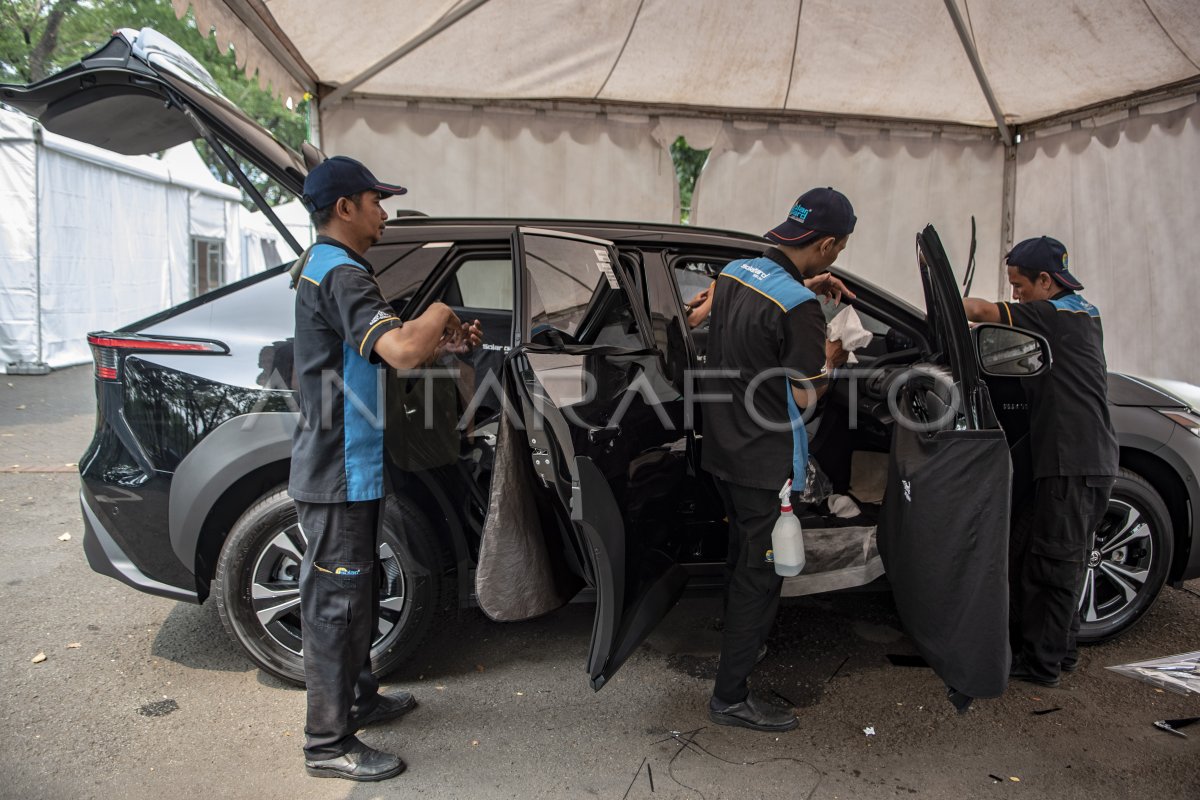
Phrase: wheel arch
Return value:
(245, 458)
(1170, 487)
(219, 479)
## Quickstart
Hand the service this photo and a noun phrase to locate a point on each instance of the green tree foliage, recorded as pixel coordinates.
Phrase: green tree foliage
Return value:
(688, 163)
(40, 37)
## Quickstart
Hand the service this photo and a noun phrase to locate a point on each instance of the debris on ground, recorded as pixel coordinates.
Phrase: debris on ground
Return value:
(159, 709)
(74, 646)
(66, 537)
(1179, 673)
(1173, 725)
(39, 658)
(869, 730)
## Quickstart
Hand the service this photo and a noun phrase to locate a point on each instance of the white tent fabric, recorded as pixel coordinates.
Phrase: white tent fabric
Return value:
(18, 249)
(901, 59)
(897, 184)
(91, 240)
(462, 162)
(1124, 197)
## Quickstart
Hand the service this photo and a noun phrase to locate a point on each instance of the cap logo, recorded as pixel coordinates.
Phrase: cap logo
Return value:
(799, 213)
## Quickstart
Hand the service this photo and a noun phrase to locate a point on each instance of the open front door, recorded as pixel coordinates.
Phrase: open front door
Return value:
(604, 427)
(943, 532)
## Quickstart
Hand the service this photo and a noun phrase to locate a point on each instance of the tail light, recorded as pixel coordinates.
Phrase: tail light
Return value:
(108, 349)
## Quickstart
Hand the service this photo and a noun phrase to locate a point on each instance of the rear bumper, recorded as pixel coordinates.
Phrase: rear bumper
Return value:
(107, 558)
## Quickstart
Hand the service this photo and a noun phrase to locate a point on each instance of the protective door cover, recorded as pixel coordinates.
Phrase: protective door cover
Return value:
(943, 535)
(516, 578)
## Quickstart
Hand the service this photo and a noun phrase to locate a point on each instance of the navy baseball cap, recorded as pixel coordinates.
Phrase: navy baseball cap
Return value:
(816, 212)
(341, 176)
(1045, 255)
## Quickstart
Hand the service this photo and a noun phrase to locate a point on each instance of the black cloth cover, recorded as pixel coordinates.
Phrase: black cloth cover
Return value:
(943, 535)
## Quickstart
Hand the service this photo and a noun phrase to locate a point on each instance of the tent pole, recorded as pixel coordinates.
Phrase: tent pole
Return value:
(973, 56)
(1008, 212)
(37, 234)
(335, 97)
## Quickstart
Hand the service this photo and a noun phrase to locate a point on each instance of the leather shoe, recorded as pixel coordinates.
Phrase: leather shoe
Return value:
(1022, 672)
(390, 706)
(361, 763)
(753, 713)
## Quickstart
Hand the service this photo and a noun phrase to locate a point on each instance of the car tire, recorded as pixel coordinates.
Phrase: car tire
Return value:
(1129, 563)
(256, 586)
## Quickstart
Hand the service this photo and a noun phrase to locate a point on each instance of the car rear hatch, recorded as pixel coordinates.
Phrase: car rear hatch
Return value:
(141, 93)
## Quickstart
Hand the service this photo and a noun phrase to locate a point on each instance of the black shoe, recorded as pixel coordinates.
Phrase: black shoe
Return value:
(390, 706)
(362, 763)
(762, 653)
(752, 713)
(1069, 664)
(1022, 673)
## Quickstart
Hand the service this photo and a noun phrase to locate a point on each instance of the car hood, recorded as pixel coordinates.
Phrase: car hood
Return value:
(1130, 390)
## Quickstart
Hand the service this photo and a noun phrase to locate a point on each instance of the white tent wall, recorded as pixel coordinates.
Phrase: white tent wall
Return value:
(91, 240)
(113, 248)
(897, 181)
(1123, 198)
(464, 161)
(18, 240)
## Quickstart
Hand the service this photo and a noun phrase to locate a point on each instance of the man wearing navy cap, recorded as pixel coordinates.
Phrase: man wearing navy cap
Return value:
(1074, 456)
(768, 354)
(344, 330)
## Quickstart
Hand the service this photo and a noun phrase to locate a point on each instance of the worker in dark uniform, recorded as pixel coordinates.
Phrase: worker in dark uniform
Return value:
(767, 360)
(1074, 455)
(344, 330)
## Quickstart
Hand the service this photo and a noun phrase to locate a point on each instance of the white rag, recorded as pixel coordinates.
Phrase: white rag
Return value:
(846, 327)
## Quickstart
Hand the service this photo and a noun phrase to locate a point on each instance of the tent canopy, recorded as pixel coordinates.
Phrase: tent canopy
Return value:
(1074, 118)
(900, 60)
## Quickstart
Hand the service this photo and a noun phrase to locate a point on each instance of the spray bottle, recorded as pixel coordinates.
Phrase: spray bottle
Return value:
(787, 537)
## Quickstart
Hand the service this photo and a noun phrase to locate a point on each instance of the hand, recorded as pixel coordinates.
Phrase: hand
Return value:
(700, 297)
(831, 287)
(835, 354)
(459, 338)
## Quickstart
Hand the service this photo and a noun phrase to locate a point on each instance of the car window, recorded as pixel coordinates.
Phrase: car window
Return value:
(402, 268)
(573, 292)
(481, 282)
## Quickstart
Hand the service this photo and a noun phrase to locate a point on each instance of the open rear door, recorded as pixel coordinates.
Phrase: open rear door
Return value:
(943, 532)
(604, 427)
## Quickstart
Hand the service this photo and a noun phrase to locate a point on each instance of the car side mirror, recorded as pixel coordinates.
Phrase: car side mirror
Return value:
(1006, 352)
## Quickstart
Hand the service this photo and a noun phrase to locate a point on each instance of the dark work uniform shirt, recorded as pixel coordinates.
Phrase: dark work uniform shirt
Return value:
(1070, 430)
(337, 450)
(763, 319)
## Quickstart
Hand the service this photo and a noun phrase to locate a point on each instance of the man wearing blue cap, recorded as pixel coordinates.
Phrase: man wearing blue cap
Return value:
(768, 354)
(1074, 456)
(345, 331)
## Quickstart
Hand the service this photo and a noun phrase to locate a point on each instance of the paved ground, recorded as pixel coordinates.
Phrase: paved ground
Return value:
(155, 701)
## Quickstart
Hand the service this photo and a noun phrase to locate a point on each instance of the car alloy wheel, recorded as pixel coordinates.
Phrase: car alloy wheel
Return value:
(256, 585)
(1128, 562)
(275, 589)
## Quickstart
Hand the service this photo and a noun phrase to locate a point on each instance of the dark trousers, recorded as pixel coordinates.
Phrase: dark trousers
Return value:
(339, 608)
(751, 585)
(1048, 568)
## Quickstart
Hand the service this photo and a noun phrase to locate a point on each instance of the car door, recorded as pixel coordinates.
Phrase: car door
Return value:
(943, 530)
(604, 429)
(142, 93)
